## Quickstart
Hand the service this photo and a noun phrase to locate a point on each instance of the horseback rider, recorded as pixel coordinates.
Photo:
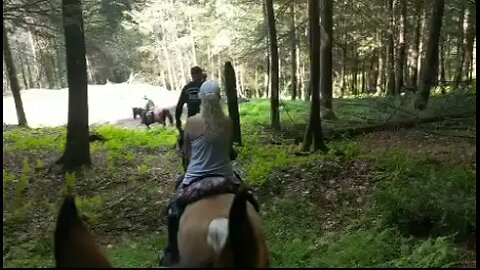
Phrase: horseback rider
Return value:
(207, 146)
(189, 95)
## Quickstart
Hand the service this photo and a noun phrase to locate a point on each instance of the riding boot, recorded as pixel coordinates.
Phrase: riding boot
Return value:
(170, 254)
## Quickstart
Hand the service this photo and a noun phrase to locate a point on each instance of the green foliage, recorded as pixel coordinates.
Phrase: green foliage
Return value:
(7, 178)
(142, 168)
(69, 180)
(34, 139)
(118, 138)
(259, 159)
(22, 181)
(436, 252)
(295, 241)
(90, 207)
(415, 193)
(39, 164)
(137, 252)
(23, 211)
(35, 253)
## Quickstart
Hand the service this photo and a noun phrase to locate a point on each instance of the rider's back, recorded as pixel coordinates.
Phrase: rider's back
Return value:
(209, 156)
(193, 101)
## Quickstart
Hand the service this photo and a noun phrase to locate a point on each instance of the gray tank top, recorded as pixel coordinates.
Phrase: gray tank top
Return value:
(208, 157)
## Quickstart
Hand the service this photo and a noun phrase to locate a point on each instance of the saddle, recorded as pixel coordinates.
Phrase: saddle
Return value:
(211, 185)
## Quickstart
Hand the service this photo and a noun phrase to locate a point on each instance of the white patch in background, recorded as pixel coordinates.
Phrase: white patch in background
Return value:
(106, 103)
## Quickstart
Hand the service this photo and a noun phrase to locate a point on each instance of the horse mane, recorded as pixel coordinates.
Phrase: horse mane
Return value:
(242, 241)
(74, 246)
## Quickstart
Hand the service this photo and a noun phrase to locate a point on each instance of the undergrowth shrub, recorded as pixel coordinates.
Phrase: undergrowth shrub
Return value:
(119, 138)
(424, 198)
(90, 207)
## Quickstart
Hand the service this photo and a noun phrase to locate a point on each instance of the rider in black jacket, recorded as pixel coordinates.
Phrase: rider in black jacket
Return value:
(189, 95)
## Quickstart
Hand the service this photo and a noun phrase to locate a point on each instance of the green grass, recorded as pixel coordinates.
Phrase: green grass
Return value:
(140, 251)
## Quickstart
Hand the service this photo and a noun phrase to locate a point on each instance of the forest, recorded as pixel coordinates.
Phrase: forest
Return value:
(354, 124)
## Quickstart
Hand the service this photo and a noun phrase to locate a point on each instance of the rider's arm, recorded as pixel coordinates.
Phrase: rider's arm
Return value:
(187, 148)
(179, 109)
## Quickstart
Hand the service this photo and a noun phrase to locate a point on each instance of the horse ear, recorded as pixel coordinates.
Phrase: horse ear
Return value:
(74, 246)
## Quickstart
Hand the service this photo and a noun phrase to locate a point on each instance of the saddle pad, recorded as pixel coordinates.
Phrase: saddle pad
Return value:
(209, 186)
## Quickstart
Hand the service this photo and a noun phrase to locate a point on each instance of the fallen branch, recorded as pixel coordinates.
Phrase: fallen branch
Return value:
(350, 132)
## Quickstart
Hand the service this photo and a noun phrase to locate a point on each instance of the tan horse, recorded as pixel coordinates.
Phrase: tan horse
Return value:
(206, 237)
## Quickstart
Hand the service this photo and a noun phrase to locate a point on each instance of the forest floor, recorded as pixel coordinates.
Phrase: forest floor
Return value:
(394, 197)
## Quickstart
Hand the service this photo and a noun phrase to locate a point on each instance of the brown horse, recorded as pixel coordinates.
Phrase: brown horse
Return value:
(156, 115)
(218, 231)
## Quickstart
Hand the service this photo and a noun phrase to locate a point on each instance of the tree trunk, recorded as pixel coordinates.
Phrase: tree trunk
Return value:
(416, 45)
(37, 78)
(442, 78)
(183, 70)
(469, 38)
(231, 91)
(257, 91)
(390, 50)
(314, 126)
(293, 52)
(194, 53)
(354, 87)
(30, 76)
(343, 82)
(364, 84)
(401, 47)
(12, 78)
(381, 71)
(299, 72)
(274, 101)
(77, 147)
(307, 90)
(219, 70)
(373, 72)
(326, 36)
(166, 55)
(163, 78)
(460, 57)
(431, 57)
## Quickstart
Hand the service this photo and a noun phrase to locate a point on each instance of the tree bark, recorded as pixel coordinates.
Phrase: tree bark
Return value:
(12, 78)
(326, 36)
(257, 94)
(314, 126)
(416, 45)
(431, 58)
(381, 71)
(299, 72)
(441, 63)
(373, 72)
(77, 147)
(293, 52)
(194, 51)
(459, 65)
(274, 100)
(390, 50)
(469, 38)
(232, 101)
(37, 78)
(399, 68)
(343, 82)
